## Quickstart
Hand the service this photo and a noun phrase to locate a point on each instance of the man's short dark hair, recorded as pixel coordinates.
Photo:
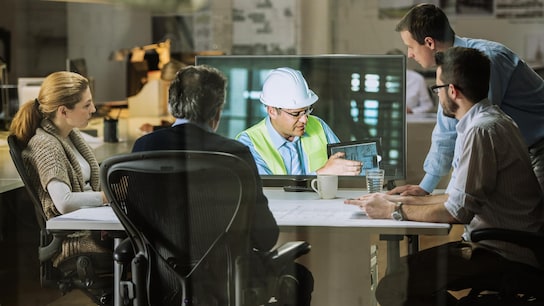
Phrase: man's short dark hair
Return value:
(467, 69)
(426, 20)
(197, 93)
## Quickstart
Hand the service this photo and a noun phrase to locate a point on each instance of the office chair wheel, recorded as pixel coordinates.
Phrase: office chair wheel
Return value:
(496, 299)
(105, 299)
(100, 296)
(64, 286)
(85, 270)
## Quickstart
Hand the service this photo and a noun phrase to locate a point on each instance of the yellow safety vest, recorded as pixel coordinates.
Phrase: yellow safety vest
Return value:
(314, 144)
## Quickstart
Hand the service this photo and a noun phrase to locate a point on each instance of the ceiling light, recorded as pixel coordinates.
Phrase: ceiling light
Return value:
(162, 6)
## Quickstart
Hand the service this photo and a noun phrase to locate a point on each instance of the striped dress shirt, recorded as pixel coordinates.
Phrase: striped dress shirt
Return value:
(492, 183)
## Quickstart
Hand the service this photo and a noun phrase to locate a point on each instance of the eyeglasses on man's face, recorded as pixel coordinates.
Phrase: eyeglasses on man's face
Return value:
(435, 88)
(299, 114)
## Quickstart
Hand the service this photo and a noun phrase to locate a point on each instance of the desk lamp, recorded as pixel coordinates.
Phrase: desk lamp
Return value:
(138, 53)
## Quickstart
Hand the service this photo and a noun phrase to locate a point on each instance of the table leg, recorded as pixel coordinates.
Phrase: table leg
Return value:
(116, 276)
(393, 252)
(393, 249)
(340, 262)
(413, 244)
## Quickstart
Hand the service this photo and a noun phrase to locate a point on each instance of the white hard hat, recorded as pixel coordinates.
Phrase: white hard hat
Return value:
(287, 88)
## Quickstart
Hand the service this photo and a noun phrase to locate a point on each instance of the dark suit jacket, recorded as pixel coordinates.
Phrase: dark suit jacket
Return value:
(264, 232)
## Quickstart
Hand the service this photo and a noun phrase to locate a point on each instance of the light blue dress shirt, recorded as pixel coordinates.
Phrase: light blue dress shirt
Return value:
(180, 121)
(280, 144)
(514, 86)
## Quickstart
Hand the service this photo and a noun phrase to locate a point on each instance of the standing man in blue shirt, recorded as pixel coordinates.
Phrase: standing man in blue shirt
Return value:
(514, 86)
(289, 140)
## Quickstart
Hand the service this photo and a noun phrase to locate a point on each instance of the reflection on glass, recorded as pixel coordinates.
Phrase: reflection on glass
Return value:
(360, 97)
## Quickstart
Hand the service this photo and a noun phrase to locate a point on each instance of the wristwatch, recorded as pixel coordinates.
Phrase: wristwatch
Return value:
(397, 213)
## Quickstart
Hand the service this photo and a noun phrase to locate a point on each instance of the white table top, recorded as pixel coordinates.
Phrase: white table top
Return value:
(291, 210)
(306, 209)
(93, 218)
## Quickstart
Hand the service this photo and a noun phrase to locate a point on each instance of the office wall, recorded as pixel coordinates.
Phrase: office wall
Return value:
(324, 26)
(97, 30)
(358, 29)
(38, 36)
(315, 26)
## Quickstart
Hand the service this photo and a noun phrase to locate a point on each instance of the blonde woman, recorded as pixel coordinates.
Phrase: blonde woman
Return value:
(62, 165)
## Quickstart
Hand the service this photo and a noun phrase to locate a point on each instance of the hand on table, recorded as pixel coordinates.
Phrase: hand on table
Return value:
(406, 190)
(375, 205)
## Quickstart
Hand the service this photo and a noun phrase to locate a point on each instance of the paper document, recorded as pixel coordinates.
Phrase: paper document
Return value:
(104, 213)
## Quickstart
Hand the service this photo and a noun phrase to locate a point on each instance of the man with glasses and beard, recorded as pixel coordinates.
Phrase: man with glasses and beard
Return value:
(492, 186)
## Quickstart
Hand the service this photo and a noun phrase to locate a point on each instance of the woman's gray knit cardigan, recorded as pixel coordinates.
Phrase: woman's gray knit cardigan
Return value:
(48, 156)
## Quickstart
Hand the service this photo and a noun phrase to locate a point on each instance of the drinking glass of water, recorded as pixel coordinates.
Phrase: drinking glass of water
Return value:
(374, 180)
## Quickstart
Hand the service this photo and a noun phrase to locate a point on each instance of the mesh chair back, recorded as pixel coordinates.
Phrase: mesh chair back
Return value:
(15, 150)
(187, 213)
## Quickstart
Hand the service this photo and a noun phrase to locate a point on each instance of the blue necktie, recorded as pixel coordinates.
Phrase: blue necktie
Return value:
(296, 167)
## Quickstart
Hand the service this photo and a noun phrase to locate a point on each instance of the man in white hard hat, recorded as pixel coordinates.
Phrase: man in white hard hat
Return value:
(289, 140)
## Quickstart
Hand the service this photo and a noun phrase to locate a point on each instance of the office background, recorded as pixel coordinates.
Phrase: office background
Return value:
(44, 33)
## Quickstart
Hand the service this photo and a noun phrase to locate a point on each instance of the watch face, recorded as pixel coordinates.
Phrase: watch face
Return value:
(396, 216)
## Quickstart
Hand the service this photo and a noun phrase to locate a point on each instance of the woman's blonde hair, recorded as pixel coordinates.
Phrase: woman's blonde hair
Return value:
(62, 88)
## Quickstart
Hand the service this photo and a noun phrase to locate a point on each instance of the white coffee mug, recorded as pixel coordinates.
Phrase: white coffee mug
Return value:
(326, 185)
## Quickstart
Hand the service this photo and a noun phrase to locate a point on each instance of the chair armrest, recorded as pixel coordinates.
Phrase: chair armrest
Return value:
(124, 252)
(291, 249)
(531, 240)
(54, 247)
(285, 254)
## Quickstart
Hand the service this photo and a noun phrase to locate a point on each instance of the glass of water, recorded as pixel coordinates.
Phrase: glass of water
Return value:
(374, 180)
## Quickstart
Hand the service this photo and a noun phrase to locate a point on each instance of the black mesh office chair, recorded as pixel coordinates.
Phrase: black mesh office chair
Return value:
(89, 272)
(523, 285)
(187, 214)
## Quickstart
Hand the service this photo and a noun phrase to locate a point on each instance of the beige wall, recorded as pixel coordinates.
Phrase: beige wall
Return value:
(358, 28)
(323, 26)
(95, 31)
(38, 36)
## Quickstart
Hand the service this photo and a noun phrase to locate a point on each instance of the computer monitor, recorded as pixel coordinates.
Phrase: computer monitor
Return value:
(77, 65)
(360, 97)
(28, 89)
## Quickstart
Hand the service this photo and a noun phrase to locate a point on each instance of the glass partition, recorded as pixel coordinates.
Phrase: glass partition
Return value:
(360, 97)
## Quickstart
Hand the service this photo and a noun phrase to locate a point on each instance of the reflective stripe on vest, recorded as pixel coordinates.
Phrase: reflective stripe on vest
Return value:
(314, 144)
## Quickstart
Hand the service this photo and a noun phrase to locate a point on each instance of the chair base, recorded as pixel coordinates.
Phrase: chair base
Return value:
(90, 273)
(486, 298)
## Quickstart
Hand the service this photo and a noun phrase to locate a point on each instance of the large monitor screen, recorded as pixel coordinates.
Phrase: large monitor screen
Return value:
(360, 97)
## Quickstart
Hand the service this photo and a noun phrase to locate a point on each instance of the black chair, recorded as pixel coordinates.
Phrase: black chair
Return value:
(520, 285)
(187, 214)
(89, 272)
